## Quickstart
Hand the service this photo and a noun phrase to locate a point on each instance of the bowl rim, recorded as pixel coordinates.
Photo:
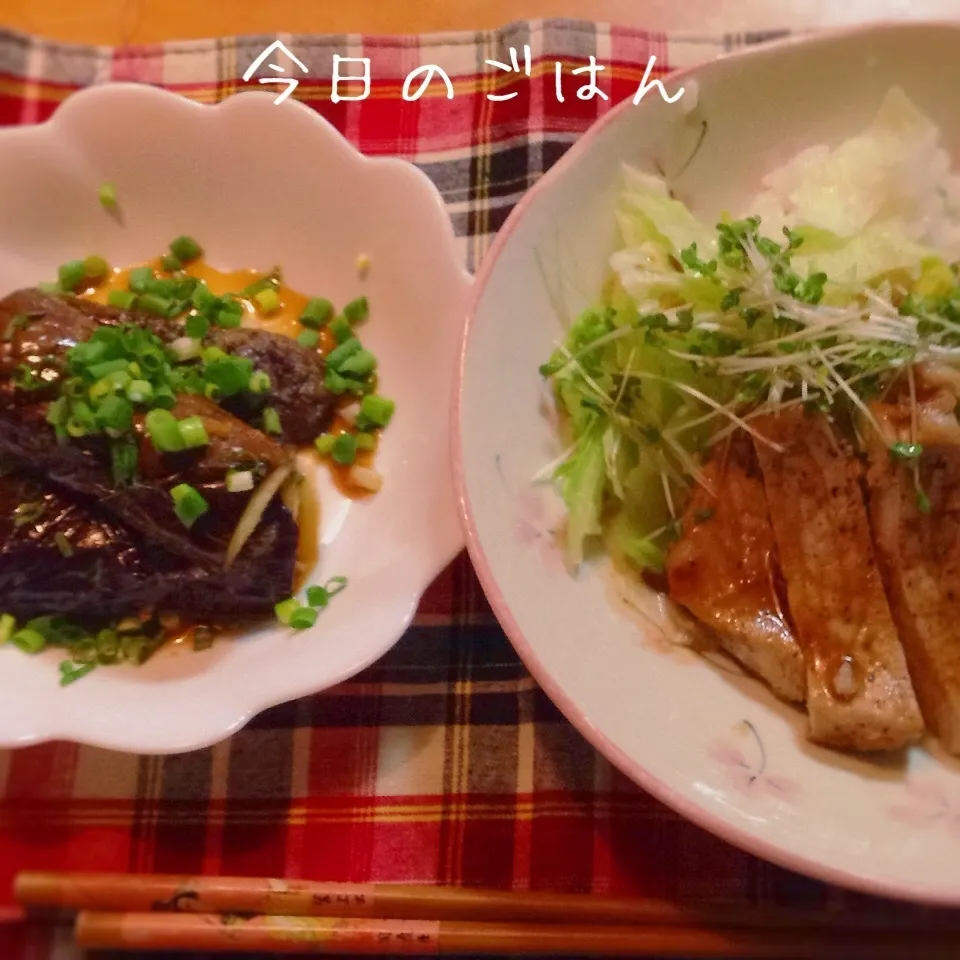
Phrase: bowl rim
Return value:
(657, 788)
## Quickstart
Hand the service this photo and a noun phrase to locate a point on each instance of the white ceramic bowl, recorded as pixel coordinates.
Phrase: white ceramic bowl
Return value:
(257, 184)
(714, 746)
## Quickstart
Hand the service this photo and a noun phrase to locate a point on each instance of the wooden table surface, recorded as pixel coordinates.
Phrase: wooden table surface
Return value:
(149, 21)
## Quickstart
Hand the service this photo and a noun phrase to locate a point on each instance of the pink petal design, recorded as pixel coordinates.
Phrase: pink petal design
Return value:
(727, 754)
(928, 803)
(527, 532)
(747, 777)
(530, 505)
(783, 788)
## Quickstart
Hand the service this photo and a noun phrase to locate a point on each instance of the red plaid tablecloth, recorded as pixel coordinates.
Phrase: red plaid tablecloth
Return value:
(444, 763)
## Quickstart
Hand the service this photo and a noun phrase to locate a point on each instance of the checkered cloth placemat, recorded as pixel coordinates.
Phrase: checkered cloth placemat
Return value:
(444, 763)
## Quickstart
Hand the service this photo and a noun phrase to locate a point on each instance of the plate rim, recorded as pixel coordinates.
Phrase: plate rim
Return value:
(660, 790)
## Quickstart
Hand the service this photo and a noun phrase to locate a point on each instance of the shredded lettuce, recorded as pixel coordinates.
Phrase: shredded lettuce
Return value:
(842, 275)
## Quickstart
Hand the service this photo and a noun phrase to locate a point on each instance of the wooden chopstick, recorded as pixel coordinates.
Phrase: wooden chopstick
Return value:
(220, 933)
(248, 914)
(137, 893)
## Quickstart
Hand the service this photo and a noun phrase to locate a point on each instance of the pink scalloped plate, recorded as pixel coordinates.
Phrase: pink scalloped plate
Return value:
(257, 184)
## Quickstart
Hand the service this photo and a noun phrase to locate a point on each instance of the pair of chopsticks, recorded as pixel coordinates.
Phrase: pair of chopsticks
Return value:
(241, 914)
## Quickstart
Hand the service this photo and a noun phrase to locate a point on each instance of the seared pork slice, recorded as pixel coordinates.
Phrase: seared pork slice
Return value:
(723, 570)
(859, 693)
(919, 554)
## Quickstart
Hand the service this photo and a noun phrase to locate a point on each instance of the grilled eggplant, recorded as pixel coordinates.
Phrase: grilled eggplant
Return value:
(62, 555)
(39, 341)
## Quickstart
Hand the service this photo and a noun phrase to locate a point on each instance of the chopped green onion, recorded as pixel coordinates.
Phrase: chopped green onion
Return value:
(366, 441)
(186, 348)
(203, 299)
(154, 303)
(269, 281)
(164, 287)
(239, 481)
(346, 350)
(335, 383)
(163, 397)
(171, 263)
(308, 339)
(341, 329)
(196, 327)
(360, 364)
(70, 672)
(8, 625)
(324, 443)
(267, 300)
(229, 318)
(923, 502)
(113, 382)
(357, 310)
(139, 391)
(906, 451)
(107, 194)
(95, 267)
(193, 433)
(77, 428)
(188, 504)
(26, 378)
(212, 354)
(316, 313)
(100, 370)
(344, 449)
(285, 608)
(163, 429)
(335, 585)
(71, 274)
(230, 375)
(375, 411)
(139, 279)
(186, 249)
(63, 545)
(29, 641)
(58, 412)
(303, 618)
(115, 413)
(123, 299)
(318, 596)
(260, 382)
(271, 421)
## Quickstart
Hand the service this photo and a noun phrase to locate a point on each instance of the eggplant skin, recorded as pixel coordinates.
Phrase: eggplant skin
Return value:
(62, 556)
